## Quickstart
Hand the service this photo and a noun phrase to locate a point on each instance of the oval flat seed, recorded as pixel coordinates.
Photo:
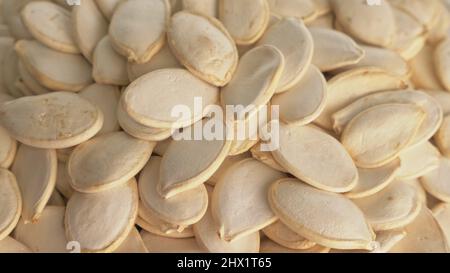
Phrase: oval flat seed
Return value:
(421, 11)
(107, 161)
(159, 244)
(266, 157)
(281, 234)
(305, 101)
(377, 135)
(336, 223)
(442, 215)
(114, 211)
(409, 38)
(132, 244)
(246, 20)
(306, 151)
(8, 148)
(418, 161)
(146, 103)
(347, 87)
(183, 209)
(106, 98)
(137, 28)
(35, 186)
(108, 66)
(206, 235)
(372, 26)
(108, 7)
(383, 58)
(243, 216)
(163, 59)
(50, 24)
(47, 235)
(10, 245)
(10, 202)
(35, 87)
(437, 183)
(300, 9)
(294, 40)
(89, 26)
(442, 137)
(205, 7)
(374, 180)
(208, 51)
(258, 73)
(54, 120)
(189, 163)
(269, 246)
(423, 70)
(430, 106)
(333, 49)
(423, 235)
(226, 164)
(54, 70)
(394, 207)
(441, 60)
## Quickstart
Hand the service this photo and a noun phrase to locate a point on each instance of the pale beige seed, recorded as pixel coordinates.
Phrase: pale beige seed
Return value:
(54, 70)
(306, 151)
(256, 78)
(132, 244)
(443, 98)
(246, 20)
(30, 82)
(333, 49)
(137, 28)
(163, 59)
(183, 209)
(423, 235)
(204, 46)
(246, 183)
(440, 24)
(108, 66)
(371, 25)
(437, 183)
(347, 87)
(394, 207)
(114, 212)
(266, 157)
(89, 26)
(150, 99)
(55, 120)
(149, 227)
(107, 161)
(47, 235)
(11, 14)
(442, 215)
(423, 11)
(188, 163)
(423, 70)
(386, 240)
(269, 246)
(50, 24)
(442, 138)
(108, 7)
(294, 40)
(383, 58)
(300, 9)
(323, 21)
(226, 164)
(305, 101)
(10, 202)
(336, 221)
(106, 98)
(159, 244)
(441, 60)
(10, 245)
(205, 7)
(429, 105)
(409, 36)
(63, 180)
(207, 236)
(374, 180)
(377, 135)
(8, 147)
(418, 161)
(281, 234)
(35, 186)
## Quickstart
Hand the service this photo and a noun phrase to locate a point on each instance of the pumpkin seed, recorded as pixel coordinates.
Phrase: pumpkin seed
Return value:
(11, 202)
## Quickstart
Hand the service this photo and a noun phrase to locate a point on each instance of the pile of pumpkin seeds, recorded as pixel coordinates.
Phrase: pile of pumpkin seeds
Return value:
(87, 158)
